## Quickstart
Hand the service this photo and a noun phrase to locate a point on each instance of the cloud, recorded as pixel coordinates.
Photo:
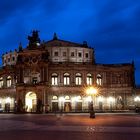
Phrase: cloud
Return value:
(111, 27)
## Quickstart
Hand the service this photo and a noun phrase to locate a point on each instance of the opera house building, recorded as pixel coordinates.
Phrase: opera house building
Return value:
(59, 75)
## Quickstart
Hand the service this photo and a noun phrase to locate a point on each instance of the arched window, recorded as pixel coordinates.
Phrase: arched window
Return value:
(1, 82)
(9, 81)
(66, 79)
(78, 79)
(67, 97)
(89, 79)
(35, 77)
(54, 79)
(99, 80)
(55, 98)
(119, 100)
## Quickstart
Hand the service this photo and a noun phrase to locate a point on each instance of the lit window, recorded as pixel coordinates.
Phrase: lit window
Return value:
(66, 79)
(55, 98)
(99, 80)
(1, 82)
(67, 97)
(34, 80)
(89, 79)
(78, 79)
(9, 81)
(54, 79)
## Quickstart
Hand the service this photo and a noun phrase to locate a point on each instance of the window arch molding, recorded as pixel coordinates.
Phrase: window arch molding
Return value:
(1, 82)
(54, 79)
(9, 81)
(89, 79)
(66, 78)
(99, 79)
(54, 97)
(78, 78)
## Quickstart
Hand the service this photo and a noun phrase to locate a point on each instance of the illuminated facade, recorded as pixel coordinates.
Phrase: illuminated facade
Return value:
(57, 72)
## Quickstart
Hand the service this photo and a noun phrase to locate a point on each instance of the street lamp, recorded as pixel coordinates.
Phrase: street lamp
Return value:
(137, 100)
(92, 92)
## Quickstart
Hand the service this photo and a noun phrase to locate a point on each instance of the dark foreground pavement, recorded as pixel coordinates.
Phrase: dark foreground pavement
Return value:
(55, 135)
(69, 127)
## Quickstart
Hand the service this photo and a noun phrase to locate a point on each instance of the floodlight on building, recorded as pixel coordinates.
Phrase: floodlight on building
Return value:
(89, 99)
(62, 99)
(73, 99)
(77, 98)
(91, 91)
(137, 99)
(110, 99)
(100, 99)
(8, 100)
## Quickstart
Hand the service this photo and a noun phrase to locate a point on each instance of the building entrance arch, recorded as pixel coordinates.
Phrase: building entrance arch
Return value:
(30, 102)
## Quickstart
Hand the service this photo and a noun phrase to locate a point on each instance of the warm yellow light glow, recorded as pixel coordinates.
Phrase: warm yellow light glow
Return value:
(78, 98)
(54, 98)
(73, 99)
(30, 99)
(29, 104)
(8, 100)
(89, 99)
(110, 99)
(136, 99)
(67, 97)
(91, 91)
(100, 99)
(62, 99)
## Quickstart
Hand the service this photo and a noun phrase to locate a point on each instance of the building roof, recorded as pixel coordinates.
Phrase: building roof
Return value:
(115, 65)
(63, 43)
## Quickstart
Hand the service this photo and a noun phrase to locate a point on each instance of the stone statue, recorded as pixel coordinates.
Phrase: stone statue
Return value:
(34, 39)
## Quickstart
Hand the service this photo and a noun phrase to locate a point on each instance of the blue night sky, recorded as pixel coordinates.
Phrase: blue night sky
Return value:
(111, 27)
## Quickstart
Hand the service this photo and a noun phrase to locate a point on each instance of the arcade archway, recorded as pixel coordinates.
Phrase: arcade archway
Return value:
(30, 102)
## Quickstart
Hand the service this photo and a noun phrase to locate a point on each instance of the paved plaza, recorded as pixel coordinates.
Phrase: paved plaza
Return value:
(69, 126)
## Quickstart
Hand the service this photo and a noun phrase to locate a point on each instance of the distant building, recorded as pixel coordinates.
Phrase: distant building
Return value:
(56, 74)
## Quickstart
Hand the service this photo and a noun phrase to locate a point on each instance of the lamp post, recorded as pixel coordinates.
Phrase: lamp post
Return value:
(137, 105)
(92, 92)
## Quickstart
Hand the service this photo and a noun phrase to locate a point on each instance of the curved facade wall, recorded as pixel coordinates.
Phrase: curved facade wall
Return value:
(70, 54)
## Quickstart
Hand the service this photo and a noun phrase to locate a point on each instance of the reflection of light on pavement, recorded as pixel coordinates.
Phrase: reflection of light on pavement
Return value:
(95, 129)
(24, 125)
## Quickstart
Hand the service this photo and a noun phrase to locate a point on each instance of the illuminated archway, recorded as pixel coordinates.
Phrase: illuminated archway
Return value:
(30, 102)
